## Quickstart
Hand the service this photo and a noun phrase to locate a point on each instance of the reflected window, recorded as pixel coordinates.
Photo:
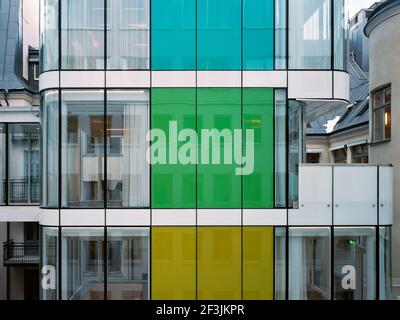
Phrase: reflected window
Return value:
(127, 263)
(309, 263)
(3, 169)
(354, 263)
(382, 114)
(82, 150)
(360, 153)
(82, 264)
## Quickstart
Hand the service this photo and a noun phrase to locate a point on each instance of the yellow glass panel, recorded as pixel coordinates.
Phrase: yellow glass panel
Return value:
(173, 263)
(258, 263)
(219, 263)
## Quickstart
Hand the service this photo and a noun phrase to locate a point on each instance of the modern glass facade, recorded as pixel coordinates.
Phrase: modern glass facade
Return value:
(193, 35)
(173, 162)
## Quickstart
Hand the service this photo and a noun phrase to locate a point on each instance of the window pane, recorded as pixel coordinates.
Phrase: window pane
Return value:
(173, 34)
(82, 264)
(354, 263)
(50, 148)
(49, 263)
(258, 116)
(385, 263)
(174, 263)
(218, 184)
(82, 149)
(388, 95)
(309, 263)
(127, 263)
(219, 34)
(280, 148)
(23, 163)
(280, 34)
(258, 23)
(388, 123)
(128, 172)
(3, 164)
(280, 263)
(174, 182)
(82, 34)
(48, 35)
(340, 29)
(377, 97)
(258, 263)
(128, 34)
(378, 122)
(219, 263)
(309, 34)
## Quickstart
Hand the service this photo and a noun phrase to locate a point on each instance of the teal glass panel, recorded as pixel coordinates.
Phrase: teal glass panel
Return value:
(258, 34)
(218, 182)
(258, 119)
(173, 34)
(173, 182)
(219, 34)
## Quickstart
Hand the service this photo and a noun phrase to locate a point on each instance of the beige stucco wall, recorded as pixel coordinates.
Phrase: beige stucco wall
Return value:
(385, 69)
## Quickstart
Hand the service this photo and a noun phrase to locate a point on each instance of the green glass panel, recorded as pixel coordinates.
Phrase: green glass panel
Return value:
(258, 34)
(219, 34)
(258, 115)
(218, 184)
(173, 183)
(173, 34)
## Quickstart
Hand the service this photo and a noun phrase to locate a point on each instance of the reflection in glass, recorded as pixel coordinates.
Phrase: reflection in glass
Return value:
(340, 35)
(354, 263)
(127, 169)
(280, 34)
(48, 35)
(309, 264)
(385, 263)
(3, 181)
(310, 34)
(49, 262)
(23, 163)
(82, 150)
(127, 263)
(82, 264)
(82, 34)
(50, 151)
(280, 263)
(280, 148)
(128, 34)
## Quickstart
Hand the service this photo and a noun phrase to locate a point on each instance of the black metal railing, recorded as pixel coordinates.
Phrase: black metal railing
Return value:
(17, 253)
(22, 191)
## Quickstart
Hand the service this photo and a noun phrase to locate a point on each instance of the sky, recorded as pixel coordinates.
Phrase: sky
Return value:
(353, 6)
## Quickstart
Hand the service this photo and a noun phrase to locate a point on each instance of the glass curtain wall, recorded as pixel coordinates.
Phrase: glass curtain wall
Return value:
(49, 253)
(50, 148)
(310, 34)
(82, 148)
(3, 152)
(280, 34)
(49, 54)
(127, 264)
(280, 148)
(128, 172)
(385, 263)
(82, 34)
(23, 164)
(309, 263)
(128, 33)
(340, 35)
(280, 263)
(355, 263)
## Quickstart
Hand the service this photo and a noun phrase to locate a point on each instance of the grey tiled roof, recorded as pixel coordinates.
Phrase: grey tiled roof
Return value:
(11, 46)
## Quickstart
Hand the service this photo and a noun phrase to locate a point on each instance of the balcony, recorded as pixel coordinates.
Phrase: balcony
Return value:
(344, 195)
(22, 191)
(20, 253)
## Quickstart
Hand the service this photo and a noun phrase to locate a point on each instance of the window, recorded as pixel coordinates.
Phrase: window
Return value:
(309, 263)
(49, 253)
(382, 114)
(313, 157)
(49, 35)
(3, 169)
(340, 155)
(360, 153)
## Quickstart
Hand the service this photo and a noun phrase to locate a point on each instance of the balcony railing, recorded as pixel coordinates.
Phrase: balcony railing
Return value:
(20, 253)
(21, 191)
